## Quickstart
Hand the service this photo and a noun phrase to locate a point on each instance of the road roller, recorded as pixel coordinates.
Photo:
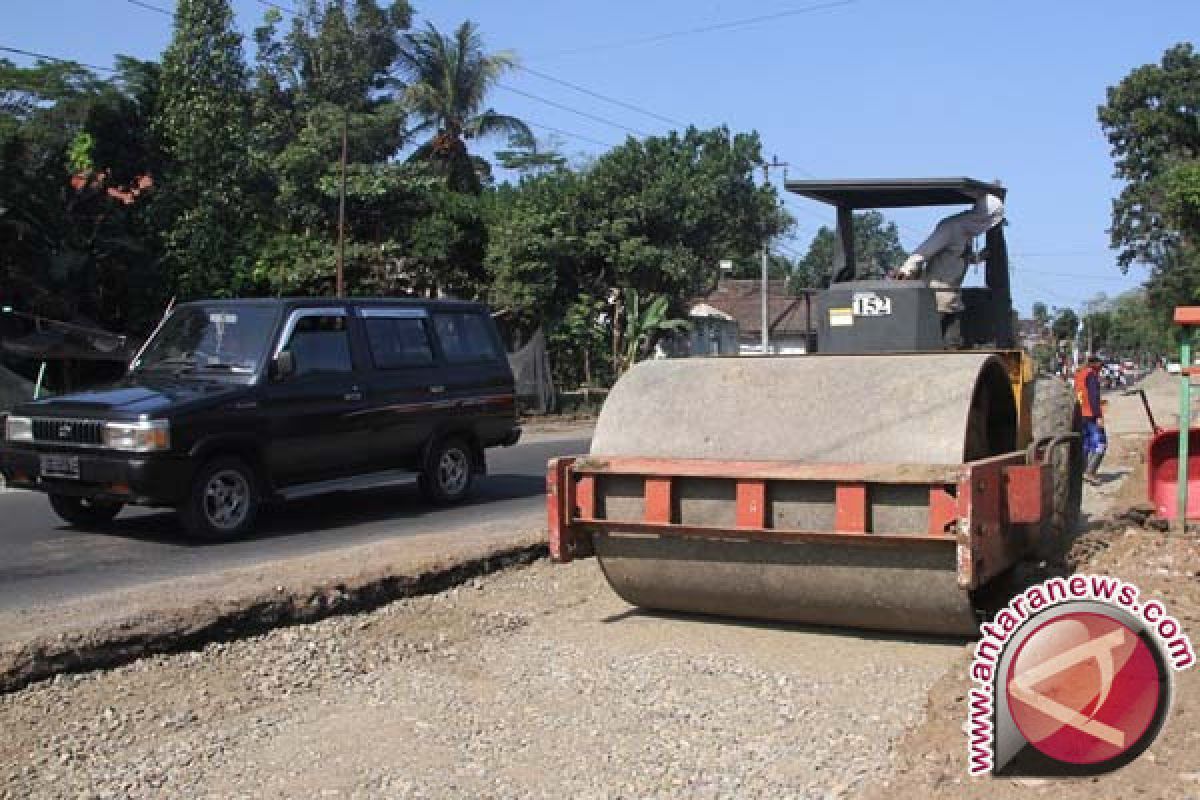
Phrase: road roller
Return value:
(888, 480)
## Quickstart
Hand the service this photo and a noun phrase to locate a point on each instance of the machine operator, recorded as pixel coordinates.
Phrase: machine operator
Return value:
(944, 258)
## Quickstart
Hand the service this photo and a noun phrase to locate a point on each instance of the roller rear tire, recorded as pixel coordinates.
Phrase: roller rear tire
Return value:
(1056, 412)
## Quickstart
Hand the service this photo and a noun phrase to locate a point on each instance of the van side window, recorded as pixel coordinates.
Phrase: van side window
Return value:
(320, 343)
(397, 343)
(466, 337)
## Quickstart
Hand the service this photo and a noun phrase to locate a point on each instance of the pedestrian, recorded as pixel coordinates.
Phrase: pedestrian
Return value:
(1095, 440)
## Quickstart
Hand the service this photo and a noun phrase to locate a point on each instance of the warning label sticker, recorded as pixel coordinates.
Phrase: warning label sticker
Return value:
(841, 316)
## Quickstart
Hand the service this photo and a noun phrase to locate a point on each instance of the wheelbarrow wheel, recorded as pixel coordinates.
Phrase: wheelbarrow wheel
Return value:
(1055, 412)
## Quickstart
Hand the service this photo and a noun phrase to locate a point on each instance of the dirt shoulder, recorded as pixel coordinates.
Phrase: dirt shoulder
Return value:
(116, 627)
(535, 682)
(931, 760)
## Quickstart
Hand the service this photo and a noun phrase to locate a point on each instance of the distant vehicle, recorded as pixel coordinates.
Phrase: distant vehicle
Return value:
(233, 403)
(1173, 367)
(1112, 376)
(1128, 365)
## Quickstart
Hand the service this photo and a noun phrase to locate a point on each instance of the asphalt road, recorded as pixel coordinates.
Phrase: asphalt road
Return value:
(44, 561)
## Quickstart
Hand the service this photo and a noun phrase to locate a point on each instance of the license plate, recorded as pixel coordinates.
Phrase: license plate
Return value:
(60, 467)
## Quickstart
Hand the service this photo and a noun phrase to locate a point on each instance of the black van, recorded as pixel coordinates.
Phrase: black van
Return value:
(235, 402)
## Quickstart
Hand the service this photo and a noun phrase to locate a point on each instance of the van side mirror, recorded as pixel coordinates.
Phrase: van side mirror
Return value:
(284, 366)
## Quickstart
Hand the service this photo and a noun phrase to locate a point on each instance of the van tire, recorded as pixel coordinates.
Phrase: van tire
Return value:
(223, 502)
(83, 512)
(449, 471)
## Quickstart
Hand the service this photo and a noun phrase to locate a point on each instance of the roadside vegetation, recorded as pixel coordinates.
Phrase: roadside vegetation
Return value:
(214, 172)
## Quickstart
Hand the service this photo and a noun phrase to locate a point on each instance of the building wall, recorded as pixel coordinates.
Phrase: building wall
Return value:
(786, 345)
(711, 336)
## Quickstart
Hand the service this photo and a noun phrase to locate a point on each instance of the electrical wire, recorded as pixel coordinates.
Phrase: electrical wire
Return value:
(151, 7)
(576, 111)
(44, 57)
(718, 26)
(598, 96)
(562, 132)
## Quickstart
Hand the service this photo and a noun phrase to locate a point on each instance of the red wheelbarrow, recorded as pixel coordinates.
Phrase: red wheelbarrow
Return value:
(1162, 472)
(1173, 460)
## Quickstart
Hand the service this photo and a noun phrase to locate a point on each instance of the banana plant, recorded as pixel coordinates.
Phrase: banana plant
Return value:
(644, 326)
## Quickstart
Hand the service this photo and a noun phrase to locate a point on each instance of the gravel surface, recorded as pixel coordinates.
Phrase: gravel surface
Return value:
(536, 682)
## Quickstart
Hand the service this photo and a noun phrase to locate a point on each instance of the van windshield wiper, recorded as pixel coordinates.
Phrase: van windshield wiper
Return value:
(167, 363)
(224, 367)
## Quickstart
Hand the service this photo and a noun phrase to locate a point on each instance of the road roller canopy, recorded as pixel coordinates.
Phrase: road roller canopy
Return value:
(895, 192)
(850, 195)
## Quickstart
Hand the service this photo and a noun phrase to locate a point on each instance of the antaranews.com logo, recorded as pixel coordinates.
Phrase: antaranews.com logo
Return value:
(1074, 676)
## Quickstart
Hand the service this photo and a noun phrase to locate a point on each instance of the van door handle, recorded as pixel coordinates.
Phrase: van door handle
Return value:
(353, 396)
(437, 389)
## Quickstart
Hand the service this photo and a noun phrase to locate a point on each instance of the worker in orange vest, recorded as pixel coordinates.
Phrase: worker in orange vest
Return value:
(1095, 440)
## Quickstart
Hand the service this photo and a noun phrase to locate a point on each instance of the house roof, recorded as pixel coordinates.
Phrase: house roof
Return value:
(1031, 328)
(742, 300)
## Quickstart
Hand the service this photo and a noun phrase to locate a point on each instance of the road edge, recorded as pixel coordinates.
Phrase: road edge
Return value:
(163, 623)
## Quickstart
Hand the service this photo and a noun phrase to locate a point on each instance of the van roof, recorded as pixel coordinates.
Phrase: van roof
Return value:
(310, 302)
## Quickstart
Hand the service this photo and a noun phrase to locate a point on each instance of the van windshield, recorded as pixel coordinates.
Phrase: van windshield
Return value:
(212, 339)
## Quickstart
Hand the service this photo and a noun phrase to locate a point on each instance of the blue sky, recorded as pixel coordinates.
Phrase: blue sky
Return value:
(869, 88)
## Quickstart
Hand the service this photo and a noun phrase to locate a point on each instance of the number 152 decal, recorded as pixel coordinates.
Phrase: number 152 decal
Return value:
(872, 305)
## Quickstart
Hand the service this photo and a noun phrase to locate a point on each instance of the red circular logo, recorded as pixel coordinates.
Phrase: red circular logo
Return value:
(1083, 688)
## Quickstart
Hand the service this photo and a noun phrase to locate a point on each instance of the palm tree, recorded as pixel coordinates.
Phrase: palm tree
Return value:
(449, 78)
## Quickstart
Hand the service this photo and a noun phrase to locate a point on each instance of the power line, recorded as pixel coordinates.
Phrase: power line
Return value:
(718, 26)
(1065, 253)
(56, 59)
(563, 107)
(598, 96)
(278, 7)
(562, 132)
(151, 7)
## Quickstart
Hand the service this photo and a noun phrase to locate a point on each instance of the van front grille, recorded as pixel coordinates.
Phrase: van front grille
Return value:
(86, 432)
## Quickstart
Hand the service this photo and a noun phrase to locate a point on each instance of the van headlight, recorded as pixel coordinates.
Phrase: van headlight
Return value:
(144, 436)
(18, 429)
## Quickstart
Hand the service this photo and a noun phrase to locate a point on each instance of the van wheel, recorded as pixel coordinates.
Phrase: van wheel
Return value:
(223, 503)
(449, 471)
(83, 512)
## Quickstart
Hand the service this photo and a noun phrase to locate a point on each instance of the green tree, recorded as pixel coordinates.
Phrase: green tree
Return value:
(877, 249)
(206, 200)
(1065, 325)
(664, 211)
(333, 70)
(1152, 121)
(75, 152)
(1041, 314)
(449, 80)
(656, 216)
(531, 157)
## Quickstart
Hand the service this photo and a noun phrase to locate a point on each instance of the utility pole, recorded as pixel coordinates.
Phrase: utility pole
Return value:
(341, 244)
(766, 167)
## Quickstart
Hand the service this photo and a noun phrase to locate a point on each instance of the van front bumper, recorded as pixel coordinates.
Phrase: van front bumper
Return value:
(157, 480)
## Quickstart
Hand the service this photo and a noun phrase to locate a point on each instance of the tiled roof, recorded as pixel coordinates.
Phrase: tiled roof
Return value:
(741, 299)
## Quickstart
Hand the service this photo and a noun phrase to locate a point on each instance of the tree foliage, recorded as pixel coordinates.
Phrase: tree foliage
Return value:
(1065, 325)
(206, 198)
(206, 175)
(74, 239)
(1152, 121)
(656, 216)
(449, 80)
(877, 249)
(1041, 314)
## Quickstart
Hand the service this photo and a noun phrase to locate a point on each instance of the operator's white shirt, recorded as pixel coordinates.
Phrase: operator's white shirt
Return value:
(943, 254)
